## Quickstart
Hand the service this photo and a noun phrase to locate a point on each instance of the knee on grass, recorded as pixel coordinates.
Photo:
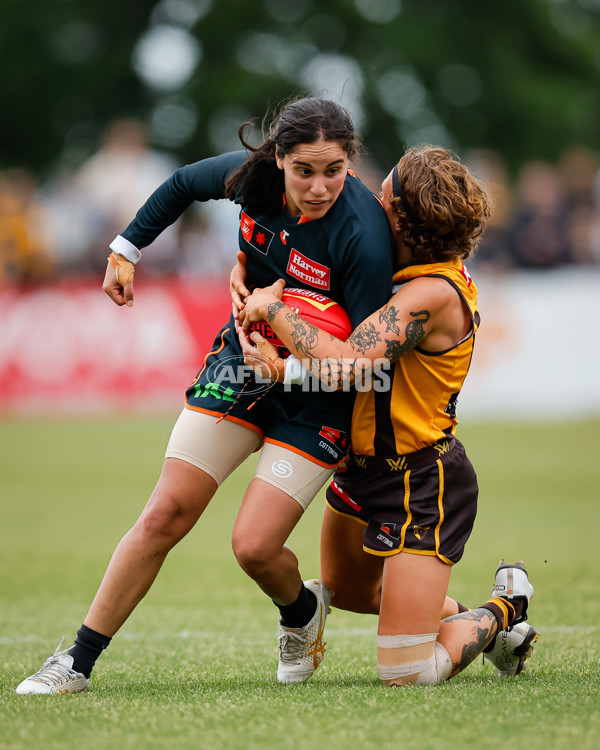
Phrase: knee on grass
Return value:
(412, 660)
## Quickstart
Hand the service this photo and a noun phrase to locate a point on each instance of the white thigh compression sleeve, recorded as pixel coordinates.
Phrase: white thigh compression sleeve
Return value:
(412, 659)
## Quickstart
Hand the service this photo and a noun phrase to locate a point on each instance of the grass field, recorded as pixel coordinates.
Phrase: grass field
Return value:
(194, 667)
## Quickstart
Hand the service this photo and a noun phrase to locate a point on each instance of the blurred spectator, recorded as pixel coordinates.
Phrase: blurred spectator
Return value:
(99, 200)
(549, 218)
(579, 173)
(209, 240)
(494, 249)
(25, 254)
(538, 233)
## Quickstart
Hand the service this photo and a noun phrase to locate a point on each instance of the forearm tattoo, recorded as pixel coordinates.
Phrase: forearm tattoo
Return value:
(365, 338)
(304, 335)
(273, 309)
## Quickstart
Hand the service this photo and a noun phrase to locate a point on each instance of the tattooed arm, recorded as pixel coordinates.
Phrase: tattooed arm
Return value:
(426, 312)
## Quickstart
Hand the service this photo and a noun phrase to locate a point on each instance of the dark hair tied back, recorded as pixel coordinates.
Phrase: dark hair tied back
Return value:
(258, 180)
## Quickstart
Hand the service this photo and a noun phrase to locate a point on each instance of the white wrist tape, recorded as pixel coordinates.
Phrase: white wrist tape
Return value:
(125, 248)
(294, 373)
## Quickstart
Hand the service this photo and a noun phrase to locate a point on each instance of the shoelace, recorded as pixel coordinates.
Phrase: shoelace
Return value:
(291, 646)
(53, 671)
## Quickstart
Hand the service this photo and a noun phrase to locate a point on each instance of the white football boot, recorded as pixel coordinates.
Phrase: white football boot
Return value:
(301, 650)
(512, 583)
(56, 677)
(512, 648)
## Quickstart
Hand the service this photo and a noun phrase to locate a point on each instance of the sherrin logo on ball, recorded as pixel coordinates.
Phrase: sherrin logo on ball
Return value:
(323, 312)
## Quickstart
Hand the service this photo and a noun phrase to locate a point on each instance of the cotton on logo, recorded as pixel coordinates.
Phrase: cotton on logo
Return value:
(282, 469)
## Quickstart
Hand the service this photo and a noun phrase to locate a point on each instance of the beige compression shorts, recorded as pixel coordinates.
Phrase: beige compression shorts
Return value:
(218, 448)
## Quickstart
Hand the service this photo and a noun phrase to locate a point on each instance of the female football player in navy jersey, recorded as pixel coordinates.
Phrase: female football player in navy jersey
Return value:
(399, 514)
(305, 217)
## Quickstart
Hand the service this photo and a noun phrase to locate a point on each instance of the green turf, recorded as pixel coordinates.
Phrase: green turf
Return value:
(194, 666)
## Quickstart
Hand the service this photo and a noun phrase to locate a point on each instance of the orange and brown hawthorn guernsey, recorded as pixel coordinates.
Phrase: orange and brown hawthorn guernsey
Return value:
(419, 407)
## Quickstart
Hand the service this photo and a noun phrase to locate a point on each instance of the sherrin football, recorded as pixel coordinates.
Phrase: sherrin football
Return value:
(315, 308)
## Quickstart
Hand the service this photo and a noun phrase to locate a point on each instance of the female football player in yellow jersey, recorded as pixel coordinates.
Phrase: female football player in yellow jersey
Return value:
(399, 515)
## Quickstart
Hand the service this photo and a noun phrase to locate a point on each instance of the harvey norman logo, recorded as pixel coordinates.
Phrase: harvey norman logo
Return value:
(307, 270)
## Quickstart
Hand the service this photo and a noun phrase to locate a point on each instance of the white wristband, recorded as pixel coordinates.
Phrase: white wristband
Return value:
(294, 373)
(125, 248)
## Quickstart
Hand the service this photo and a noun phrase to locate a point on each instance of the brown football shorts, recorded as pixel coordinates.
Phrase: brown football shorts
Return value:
(423, 503)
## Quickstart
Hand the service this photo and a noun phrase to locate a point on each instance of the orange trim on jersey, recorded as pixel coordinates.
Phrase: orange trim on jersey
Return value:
(345, 515)
(213, 351)
(352, 173)
(303, 454)
(227, 417)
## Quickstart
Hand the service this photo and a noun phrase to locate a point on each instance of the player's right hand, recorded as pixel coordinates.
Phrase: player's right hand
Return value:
(118, 280)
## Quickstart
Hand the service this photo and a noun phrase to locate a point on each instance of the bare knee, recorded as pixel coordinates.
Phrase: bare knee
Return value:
(253, 555)
(182, 493)
(165, 520)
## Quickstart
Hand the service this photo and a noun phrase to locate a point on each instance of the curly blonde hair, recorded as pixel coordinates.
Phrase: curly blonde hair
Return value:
(447, 209)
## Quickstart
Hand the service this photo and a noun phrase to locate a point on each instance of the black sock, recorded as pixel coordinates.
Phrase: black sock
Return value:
(300, 612)
(87, 648)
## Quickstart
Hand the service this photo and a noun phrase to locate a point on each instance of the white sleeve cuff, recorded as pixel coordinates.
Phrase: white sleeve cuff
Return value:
(294, 373)
(123, 247)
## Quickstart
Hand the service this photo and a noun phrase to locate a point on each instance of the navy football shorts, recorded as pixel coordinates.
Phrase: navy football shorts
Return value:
(293, 419)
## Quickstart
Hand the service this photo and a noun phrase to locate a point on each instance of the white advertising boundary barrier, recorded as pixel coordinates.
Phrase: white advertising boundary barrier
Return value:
(537, 355)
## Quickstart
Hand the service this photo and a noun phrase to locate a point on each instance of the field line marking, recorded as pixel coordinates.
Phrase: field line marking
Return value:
(204, 634)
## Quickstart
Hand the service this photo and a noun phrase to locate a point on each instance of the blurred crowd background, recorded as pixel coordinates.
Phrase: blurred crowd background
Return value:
(547, 217)
(104, 100)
